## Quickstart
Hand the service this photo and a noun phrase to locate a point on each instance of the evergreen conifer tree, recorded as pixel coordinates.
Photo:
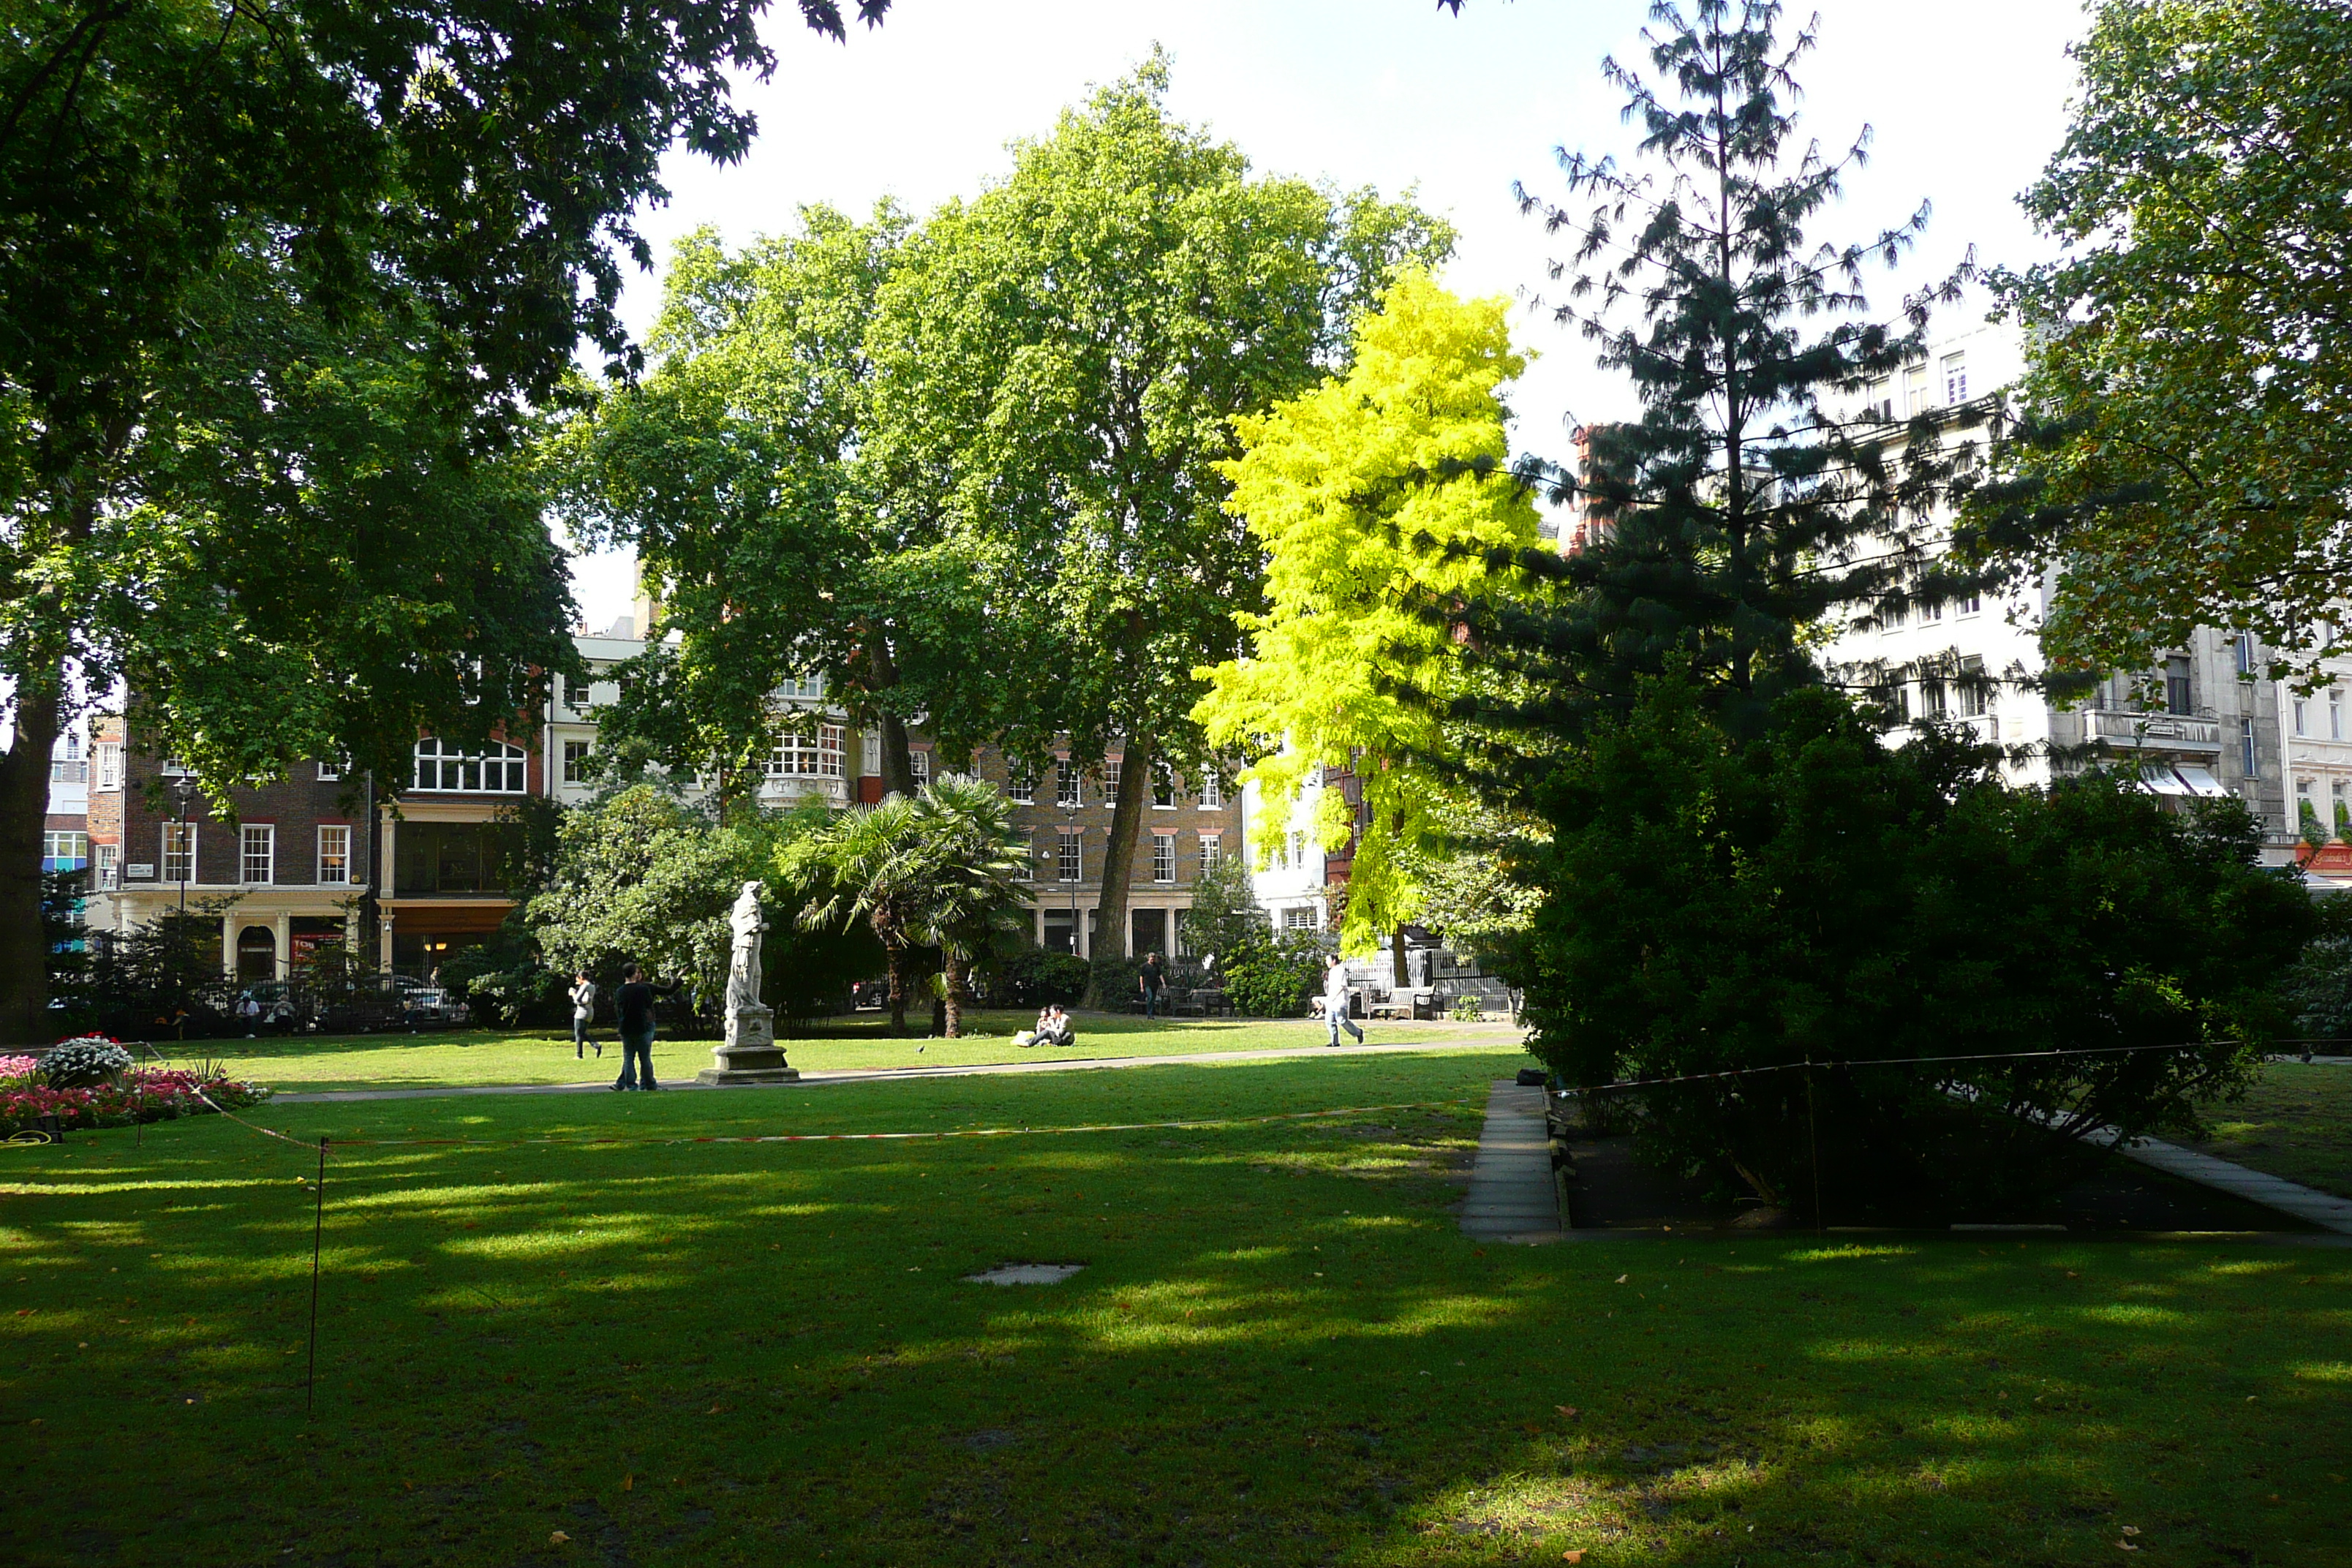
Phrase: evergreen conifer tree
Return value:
(1740, 510)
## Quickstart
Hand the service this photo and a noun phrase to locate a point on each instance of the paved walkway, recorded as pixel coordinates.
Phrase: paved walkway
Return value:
(2322, 1209)
(893, 1075)
(1512, 1195)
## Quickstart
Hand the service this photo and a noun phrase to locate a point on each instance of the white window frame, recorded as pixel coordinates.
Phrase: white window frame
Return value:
(2299, 726)
(806, 687)
(1163, 783)
(248, 834)
(107, 859)
(506, 771)
(1163, 858)
(184, 835)
(817, 756)
(1020, 783)
(1956, 378)
(109, 764)
(1213, 793)
(172, 768)
(73, 843)
(1212, 850)
(330, 772)
(1112, 768)
(334, 854)
(1069, 856)
(572, 771)
(1070, 784)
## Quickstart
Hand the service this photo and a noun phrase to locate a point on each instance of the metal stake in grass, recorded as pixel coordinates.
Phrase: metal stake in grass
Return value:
(318, 1227)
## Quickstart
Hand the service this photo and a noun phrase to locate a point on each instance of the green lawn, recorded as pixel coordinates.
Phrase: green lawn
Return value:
(2296, 1122)
(469, 1056)
(1281, 1350)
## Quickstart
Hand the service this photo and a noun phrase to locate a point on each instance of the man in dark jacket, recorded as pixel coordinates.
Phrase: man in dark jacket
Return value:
(635, 1005)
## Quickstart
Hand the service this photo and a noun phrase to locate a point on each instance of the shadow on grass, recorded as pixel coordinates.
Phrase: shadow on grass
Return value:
(1280, 1351)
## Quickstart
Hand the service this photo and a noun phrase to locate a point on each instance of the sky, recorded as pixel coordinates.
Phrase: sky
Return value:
(1964, 104)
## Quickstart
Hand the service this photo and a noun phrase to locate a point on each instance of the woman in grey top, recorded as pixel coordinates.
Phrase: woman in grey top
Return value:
(583, 1013)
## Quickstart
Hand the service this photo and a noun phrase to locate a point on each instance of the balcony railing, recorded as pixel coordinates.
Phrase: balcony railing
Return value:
(2128, 729)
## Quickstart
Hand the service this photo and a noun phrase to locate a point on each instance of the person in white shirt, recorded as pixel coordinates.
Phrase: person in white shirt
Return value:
(1335, 1002)
(583, 1013)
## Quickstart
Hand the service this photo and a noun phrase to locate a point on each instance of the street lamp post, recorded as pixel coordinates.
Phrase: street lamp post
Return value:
(184, 789)
(1070, 821)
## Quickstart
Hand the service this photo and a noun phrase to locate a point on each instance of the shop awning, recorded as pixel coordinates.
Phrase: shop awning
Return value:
(2185, 781)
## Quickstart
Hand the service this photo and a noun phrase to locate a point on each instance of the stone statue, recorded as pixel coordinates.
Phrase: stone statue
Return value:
(743, 974)
(749, 1053)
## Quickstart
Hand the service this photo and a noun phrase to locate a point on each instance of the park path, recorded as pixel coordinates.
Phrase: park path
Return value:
(1512, 1195)
(2325, 1210)
(896, 1074)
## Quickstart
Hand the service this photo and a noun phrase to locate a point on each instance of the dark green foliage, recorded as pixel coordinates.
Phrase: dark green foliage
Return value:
(1814, 895)
(1224, 913)
(2318, 990)
(1034, 976)
(1740, 511)
(153, 981)
(1271, 975)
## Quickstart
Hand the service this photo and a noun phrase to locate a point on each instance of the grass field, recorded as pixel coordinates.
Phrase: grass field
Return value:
(1281, 1350)
(2296, 1122)
(458, 1059)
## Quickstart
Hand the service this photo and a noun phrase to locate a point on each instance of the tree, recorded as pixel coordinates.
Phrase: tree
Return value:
(1737, 513)
(196, 201)
(1809, 895)
(1381, 502)
(1057, 366)
(2185, 425)
(978, 869)
(865, 865)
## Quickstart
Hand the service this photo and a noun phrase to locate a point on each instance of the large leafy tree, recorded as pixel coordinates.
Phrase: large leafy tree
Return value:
(979, 890)
(1058, 365)
(196, 202)
(1381, 502)
(2186, 429)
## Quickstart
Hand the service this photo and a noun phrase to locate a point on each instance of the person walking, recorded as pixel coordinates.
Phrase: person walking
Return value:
(1154, 978)
(1335, 1002)
(634, 1003)
(583, 1017)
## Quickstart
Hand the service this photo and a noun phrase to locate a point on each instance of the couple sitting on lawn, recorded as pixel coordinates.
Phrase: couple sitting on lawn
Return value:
(1054, 1027)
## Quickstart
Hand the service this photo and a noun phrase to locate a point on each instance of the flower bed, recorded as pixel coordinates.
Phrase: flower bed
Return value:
(147, 1094)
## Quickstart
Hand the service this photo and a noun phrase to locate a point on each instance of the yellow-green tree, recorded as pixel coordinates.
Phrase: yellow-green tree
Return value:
(1381, 502)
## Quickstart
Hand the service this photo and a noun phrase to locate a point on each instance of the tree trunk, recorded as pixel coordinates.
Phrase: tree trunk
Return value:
(898, 764)
(1401, 971)
(951, 974)
(1119, 862)
(24, 807)
(895, 957)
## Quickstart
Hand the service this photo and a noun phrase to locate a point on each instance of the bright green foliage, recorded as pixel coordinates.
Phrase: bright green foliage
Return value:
(2187, 419)
(1381, 503)
(1272, 973)
(1225, 913)
(1059, 367)
(1813, 895)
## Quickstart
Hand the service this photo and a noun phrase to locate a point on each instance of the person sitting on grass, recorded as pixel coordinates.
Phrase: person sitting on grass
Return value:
(1058, 1028)
(1030, 1037)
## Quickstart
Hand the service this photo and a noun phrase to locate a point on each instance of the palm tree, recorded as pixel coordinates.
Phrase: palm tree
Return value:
(978, 868)
(862, 865)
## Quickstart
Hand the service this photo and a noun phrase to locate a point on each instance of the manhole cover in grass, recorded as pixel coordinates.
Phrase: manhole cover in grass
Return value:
(1026, 1274)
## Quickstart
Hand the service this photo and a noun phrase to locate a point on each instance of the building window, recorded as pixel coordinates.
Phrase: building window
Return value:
(335, 855)
(1297, 850)
(1163, 856)
(1212, 791)
(1298, 919)
(1931, 613)
(1956, 378)
(1112, 768)
(2299, 725)
(919, 762)
(110, 869)
(1068, 864)
(64, 850)
(1932, 705)
(172, 768)
(2176, 685)
(257, 855)
(1970, 604)
(109, 764)
(1020, 783)
(179, 851)
(1212, 849)
(442, 768)
(575, 760)
(808, 687)
(1163, 787)
(2242, 649)
(330, 772)
(1915, 389)
(1070, 790)
(815, 756)
(1895, 618)
(2246, 747)
(1030, 856)
(2334, 715)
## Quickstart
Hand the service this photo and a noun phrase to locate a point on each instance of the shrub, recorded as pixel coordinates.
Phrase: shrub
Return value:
(1466, 1010)
(1814, 895)
(1036, 977)
(83, 1062)
(1272, 976)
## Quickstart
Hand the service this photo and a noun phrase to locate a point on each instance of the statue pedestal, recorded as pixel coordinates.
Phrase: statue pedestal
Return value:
(751, 1054)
